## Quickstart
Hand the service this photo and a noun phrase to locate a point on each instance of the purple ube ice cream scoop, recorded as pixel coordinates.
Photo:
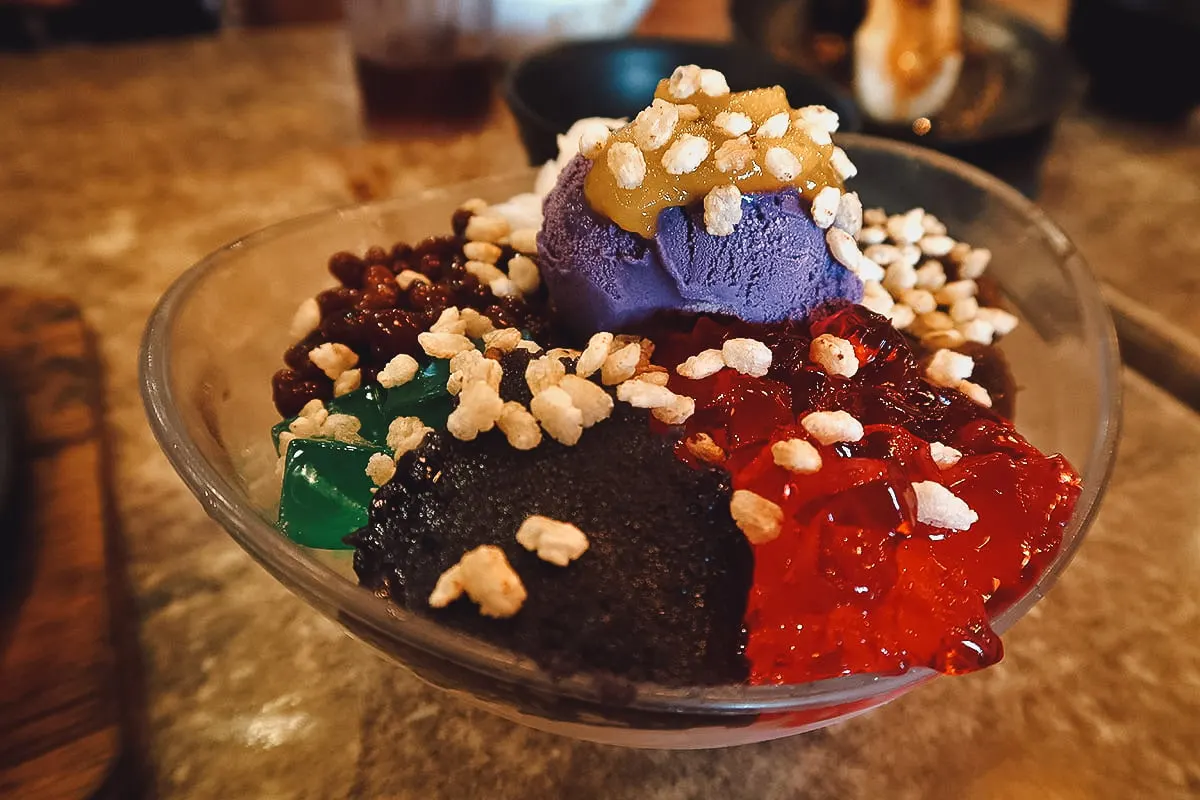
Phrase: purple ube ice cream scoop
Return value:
(773, 266)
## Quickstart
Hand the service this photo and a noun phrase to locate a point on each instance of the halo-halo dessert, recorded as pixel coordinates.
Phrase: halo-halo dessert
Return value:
(713, 423)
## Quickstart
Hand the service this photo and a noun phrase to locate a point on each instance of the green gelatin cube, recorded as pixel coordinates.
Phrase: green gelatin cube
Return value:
(428, 385)
(434, 412)
(425, 396)
(326, 492)
(366, 404)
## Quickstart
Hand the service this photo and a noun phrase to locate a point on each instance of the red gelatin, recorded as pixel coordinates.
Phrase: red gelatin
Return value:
(854, 583)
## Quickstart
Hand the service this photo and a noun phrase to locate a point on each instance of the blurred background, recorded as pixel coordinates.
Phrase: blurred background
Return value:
(143, 654)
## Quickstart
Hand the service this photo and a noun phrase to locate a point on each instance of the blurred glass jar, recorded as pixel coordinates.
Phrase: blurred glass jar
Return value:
(433, 62)
(422, 61)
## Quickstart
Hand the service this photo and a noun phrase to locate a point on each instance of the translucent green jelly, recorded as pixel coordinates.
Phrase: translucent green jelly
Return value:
(425, 396)
(326, 491)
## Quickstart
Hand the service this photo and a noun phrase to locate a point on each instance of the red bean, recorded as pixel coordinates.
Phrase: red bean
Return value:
(291, 391)
(501, 317)
(333, 301)
(424, 297)
(380, 289)
(349, 328)
(442, 246)
(401, 257)
(459, 220)
(468, 291)
(371, 315)
(376, 256)
(432, 266)
(296, 356)
(347, 268)
(392, 332)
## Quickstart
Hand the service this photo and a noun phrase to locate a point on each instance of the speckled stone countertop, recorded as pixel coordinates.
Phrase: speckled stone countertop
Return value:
(122, 166)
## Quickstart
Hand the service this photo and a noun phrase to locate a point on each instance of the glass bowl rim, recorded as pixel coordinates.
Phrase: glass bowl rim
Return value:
(322, 587)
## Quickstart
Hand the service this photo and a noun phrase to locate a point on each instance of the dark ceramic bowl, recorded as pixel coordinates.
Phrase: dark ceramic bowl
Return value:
(1017, 81)
(1156, 76)
(552, 88)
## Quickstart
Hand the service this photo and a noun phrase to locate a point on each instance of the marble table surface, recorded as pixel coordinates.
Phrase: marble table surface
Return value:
(124, 165)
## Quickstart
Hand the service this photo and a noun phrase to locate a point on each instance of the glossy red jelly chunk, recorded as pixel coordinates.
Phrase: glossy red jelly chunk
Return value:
(854, 583)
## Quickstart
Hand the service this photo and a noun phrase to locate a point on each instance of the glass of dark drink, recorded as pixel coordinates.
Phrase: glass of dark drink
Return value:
(423, 64)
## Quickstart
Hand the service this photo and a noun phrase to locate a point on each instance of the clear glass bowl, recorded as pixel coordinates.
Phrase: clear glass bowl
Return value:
(219, 333)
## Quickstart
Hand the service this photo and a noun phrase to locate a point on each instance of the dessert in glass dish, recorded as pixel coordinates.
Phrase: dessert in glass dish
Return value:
(695, 417)
(669, 444)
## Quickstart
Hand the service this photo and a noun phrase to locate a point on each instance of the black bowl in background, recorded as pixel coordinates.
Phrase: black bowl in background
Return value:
(553, 88)
(1039, 80)
(1142, 56)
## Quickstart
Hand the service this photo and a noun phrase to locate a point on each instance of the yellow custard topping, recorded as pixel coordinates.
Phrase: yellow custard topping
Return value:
(698, 136)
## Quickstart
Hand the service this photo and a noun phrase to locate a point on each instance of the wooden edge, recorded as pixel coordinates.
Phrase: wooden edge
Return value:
(105, 761)
(1166, 354)
(131, 775)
